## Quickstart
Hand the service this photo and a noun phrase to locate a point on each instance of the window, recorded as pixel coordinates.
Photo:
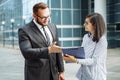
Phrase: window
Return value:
(67, 32)
(118, 27)
(67, 17)
(59, 32)
(76, 32)
(55, 3)
(76, 4)
(77, 43)
(67, 43)
(117, 17)
(76, 17)
(66, 3)
(56, 16)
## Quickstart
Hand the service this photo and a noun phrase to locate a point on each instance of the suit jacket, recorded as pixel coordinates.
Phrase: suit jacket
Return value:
(39, 64)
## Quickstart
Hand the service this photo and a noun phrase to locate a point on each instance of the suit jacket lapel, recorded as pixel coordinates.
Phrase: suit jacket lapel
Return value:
(38, 32)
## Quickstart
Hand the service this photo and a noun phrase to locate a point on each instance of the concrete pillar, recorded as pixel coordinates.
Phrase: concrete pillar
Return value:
(100, 7)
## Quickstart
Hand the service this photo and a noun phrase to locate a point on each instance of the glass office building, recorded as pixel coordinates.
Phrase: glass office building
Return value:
(10, 19)
(68, 15)
(113, 21)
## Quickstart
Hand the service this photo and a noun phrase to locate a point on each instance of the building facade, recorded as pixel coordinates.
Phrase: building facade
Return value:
(113, 22)
(68, 15)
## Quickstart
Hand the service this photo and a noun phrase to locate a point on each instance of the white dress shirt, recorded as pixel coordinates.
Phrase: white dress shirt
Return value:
(94, 66)
(46, 29)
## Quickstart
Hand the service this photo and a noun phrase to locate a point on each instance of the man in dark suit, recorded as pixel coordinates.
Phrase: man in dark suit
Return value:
(38, 42)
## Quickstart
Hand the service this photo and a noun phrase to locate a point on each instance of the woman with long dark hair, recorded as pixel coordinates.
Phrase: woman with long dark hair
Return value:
(93, 67)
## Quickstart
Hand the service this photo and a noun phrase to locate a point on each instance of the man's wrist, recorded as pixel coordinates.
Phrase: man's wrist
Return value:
(49, 50)
(61, 72)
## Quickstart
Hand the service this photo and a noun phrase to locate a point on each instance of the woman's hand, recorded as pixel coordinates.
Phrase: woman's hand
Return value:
(67, 57)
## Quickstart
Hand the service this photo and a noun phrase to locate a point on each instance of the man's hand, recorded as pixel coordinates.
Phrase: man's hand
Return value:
(61, 76)
(54, 48)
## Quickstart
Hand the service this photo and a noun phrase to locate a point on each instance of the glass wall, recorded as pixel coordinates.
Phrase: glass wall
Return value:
(14, 14)
(68, 15)
(10, 19)
(113, 20)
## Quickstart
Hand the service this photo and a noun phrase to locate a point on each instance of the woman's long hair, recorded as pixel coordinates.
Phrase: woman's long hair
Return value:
(99, 25)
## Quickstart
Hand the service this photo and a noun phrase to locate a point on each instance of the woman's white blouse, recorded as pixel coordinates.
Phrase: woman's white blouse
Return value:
(94, 66)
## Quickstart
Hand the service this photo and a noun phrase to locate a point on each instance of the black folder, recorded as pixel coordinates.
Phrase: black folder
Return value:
(76, 52)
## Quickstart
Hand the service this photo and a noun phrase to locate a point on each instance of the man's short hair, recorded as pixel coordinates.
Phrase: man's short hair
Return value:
(38, 6)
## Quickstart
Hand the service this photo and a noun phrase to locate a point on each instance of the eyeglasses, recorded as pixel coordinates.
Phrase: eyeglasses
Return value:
(44, 18)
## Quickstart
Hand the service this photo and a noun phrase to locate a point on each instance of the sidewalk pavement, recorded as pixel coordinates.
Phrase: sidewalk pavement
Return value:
(12, 65)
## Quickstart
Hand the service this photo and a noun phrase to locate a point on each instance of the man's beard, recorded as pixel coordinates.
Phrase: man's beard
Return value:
(39, 22)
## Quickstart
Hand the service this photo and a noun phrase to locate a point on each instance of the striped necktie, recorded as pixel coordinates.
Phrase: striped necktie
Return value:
(46, 35)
